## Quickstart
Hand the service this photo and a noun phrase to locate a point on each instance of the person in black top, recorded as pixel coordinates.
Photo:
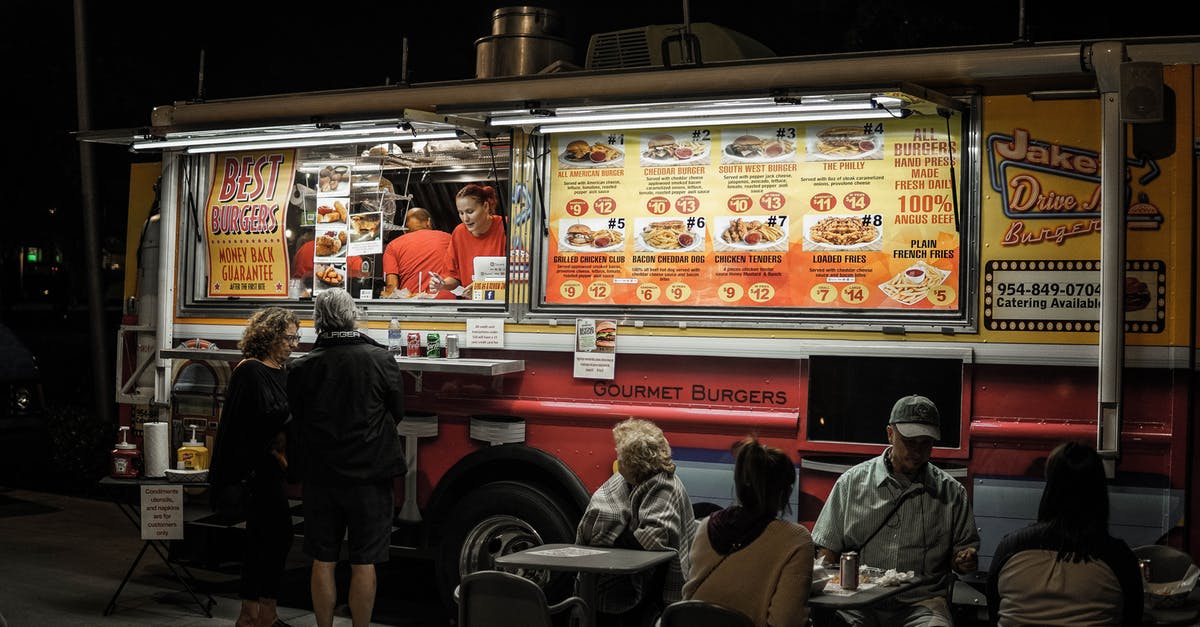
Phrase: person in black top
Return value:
(249, 466)
(346, 395)
(1066, 569)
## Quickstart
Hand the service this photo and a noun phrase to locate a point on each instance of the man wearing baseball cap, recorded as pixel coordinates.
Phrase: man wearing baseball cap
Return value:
(899, 511)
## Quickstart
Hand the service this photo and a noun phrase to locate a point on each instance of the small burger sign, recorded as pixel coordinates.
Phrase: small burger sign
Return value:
(595, 348)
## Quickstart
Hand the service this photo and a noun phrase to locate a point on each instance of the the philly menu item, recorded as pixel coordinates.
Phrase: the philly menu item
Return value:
(840, 215)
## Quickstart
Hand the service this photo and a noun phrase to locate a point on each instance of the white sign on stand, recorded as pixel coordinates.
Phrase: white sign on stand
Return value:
(162, 512)
(485, 333)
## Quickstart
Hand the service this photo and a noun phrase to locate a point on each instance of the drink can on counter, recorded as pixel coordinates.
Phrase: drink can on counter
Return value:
(433, 343)
(849, 572)
(1144, 566)
(414, 344)
(451, 346)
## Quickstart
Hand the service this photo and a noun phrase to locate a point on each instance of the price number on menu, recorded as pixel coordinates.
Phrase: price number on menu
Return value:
(678, 292)
(823, 293)
(823, 202)
(658, 205)
(571, 290)
(761, 292)
(599, 290)
(941, 295)
(772, 201)
(739, 203)
(687, 204)
(576, 207)
(730, 292)
(648, 292)
(605, 205)
(856, 201)
(855, 294)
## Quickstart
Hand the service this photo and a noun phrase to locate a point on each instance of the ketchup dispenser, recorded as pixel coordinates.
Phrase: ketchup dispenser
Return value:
(126, 458)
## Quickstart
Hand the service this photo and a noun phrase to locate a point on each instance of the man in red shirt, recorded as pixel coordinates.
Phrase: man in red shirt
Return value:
(410, 259)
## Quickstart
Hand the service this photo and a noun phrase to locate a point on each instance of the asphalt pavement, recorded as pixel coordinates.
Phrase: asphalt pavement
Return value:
(63, 557)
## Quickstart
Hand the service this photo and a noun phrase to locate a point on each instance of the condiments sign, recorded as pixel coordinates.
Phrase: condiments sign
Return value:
(845, 215)
(247, 247)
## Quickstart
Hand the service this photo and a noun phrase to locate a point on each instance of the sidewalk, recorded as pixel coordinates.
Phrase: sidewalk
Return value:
(62, 558)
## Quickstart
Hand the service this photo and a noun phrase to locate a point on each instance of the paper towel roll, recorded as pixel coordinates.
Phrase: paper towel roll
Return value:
(157, 439)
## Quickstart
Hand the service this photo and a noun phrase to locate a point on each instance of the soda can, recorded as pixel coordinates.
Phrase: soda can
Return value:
(451, 346)
(414, 344)
(1144, 566)
(849, 572)
(433, 343)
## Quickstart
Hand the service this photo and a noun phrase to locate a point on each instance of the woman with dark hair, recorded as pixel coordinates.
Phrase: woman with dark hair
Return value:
(1066, 569)
(745, 556)
(249, 468)
(481, 234)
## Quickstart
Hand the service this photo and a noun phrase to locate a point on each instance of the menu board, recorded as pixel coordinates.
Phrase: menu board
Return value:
(831, 215)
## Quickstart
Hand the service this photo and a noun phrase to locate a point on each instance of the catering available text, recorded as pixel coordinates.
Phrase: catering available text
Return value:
(244, 220)
(831, 215)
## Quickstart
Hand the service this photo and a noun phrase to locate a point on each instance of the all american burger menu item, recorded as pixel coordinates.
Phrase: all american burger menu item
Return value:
(821, 215)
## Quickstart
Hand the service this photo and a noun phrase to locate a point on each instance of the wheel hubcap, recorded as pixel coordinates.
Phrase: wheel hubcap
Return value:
(496, 536)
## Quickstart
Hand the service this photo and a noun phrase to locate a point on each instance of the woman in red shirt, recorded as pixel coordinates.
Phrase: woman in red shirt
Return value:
(481, 234)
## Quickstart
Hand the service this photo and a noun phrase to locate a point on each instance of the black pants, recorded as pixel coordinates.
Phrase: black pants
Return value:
(268, 537)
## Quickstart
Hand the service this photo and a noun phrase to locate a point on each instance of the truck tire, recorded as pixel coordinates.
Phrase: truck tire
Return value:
(497, 519)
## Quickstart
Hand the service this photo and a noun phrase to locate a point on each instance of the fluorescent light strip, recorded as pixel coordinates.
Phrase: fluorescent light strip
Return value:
(267, 145)
(678, 113)
(721, 120)
(236, 139)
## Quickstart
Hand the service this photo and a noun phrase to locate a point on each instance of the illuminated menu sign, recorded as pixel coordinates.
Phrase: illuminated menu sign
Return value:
(829, 215)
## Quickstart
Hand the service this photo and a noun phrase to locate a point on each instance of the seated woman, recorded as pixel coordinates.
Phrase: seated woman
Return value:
(745, 557)
(1065, 569)
(642, 506)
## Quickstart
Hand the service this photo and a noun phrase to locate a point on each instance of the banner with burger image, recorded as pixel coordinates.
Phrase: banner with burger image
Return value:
(758, 145)
(592, 236)
(677, 148)
(595, 348)
(845, 142)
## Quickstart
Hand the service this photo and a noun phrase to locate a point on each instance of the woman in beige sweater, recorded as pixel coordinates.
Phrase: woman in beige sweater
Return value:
(745, 557)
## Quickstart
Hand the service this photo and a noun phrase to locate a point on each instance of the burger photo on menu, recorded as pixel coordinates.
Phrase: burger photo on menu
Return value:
(845, 142)
(758, 146)
(606, 336)
(663, 149)
(591, 152)
(590, 236)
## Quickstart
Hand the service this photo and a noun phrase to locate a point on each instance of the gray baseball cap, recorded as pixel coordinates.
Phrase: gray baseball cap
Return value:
(916, 416)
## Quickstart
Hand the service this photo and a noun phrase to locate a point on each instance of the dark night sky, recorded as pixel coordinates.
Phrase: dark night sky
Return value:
(144, 54)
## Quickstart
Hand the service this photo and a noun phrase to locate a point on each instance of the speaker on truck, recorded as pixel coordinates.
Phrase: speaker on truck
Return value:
(1141, 92)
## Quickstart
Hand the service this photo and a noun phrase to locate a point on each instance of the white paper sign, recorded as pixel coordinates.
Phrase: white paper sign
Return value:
(162, 512)
(490, 267)
(595, 353)
(485, 332)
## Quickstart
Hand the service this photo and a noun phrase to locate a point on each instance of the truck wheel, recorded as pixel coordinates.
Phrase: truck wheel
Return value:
(497, 519)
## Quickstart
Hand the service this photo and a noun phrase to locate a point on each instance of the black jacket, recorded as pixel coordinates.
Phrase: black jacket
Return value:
(346, 397)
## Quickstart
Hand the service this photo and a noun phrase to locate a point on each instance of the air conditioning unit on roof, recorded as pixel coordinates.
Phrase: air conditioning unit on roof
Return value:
(642, 47)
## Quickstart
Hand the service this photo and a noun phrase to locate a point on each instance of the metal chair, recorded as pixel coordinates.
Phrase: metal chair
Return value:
(493, 598)
(696, 613)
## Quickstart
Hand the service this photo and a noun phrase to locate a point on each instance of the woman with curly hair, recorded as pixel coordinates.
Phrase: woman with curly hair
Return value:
(642, 506)
(249, 468)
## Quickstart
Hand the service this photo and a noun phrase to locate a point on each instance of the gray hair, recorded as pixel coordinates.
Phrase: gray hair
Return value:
(642, 449)
(334, 310)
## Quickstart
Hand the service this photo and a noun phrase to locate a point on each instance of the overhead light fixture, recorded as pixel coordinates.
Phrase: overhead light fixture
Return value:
(766, 118)
(327, 141)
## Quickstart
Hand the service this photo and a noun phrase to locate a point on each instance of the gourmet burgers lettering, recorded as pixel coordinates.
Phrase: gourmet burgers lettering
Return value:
(697, 393)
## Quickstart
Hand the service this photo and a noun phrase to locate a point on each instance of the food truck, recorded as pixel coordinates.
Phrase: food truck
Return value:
(780, 246)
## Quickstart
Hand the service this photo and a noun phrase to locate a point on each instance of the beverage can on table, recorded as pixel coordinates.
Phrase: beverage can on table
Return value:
(451, 346)
(414, 344)
(849, 570)
(433, 343)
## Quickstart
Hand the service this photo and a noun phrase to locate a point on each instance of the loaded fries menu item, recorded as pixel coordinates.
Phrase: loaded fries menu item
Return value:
(843, 231)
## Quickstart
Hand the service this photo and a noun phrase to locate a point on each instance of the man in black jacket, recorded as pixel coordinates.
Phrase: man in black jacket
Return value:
(346, 396)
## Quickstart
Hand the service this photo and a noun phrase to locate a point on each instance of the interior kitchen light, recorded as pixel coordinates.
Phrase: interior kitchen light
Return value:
(325, 141)
(714, 120)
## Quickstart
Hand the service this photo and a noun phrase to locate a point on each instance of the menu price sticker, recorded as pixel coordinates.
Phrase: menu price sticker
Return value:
(739, 203)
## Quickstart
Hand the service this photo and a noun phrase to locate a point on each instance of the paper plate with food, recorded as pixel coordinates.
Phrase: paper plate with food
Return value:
(580, 153)
(663, 149)
(842, 232)
(755, 149)
(750, 233)
(591, 236)
(844, 143)
(911, 285)
(668, 236)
